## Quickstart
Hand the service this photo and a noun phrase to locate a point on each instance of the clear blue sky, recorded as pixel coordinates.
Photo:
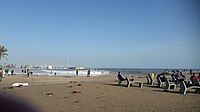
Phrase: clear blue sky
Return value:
(102, 33)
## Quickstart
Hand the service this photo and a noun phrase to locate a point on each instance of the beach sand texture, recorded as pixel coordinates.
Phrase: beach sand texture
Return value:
(96, 94)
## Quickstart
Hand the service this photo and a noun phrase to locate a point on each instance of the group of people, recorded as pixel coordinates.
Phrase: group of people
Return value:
(88, 73)
(7, 70)
(2, 73)
(12, 72)
(178, 76)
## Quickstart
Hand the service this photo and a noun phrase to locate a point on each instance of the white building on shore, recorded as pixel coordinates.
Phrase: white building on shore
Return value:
(49, 67)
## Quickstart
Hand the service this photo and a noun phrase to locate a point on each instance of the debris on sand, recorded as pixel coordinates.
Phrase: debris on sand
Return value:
(72, 82)
(76, 91)
(79, 84)
(19, 84)
(48, 93)
(7, 87)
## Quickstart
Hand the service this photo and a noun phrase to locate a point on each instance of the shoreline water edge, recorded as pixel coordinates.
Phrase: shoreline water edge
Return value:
(93, 72)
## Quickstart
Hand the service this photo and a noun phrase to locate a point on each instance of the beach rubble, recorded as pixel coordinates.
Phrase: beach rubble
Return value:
(7, 87)
(72, 82)
(19, 84)
(79, 84)
(48, 93)
(76, 91)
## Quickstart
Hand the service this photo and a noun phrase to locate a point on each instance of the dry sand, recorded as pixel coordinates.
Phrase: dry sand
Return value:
(96, 94)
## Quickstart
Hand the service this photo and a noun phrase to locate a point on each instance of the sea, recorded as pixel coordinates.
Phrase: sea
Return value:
(93, 71)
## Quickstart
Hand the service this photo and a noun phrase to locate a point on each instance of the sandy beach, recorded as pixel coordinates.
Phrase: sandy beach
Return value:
(95, 94)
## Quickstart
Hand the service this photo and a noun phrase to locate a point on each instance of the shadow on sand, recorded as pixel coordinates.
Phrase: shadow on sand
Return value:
(122, 85)
(151, 86)
(171, 91)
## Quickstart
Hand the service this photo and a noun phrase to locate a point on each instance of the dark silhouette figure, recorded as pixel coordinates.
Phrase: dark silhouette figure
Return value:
(12, 72)
(6, 71)
(190, 71)
(76, 72)
(28, 74)
(119, 76)
(88, 74)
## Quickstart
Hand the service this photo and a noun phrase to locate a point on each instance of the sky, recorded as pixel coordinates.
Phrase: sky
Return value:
(101, 33)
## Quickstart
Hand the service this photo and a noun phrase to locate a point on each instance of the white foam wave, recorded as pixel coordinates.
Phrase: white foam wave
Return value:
(73, 72)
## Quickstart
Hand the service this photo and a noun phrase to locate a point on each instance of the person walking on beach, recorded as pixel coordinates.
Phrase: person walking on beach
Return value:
(12, 72)
(28, 74)
(88, 74)
(6, 71)
(27, 70)
(1, 74)
(76, 72)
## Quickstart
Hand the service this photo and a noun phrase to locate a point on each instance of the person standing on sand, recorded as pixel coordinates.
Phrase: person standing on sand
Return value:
(76, 72)
(88, 74)
(152, 75)
(27, 70)
(1, 74)
(6, 71)
(28, 74)
(12, 72)
(190, 71)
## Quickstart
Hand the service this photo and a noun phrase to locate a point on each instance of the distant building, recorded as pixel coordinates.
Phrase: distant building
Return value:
(80, 68)
(50, 67)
